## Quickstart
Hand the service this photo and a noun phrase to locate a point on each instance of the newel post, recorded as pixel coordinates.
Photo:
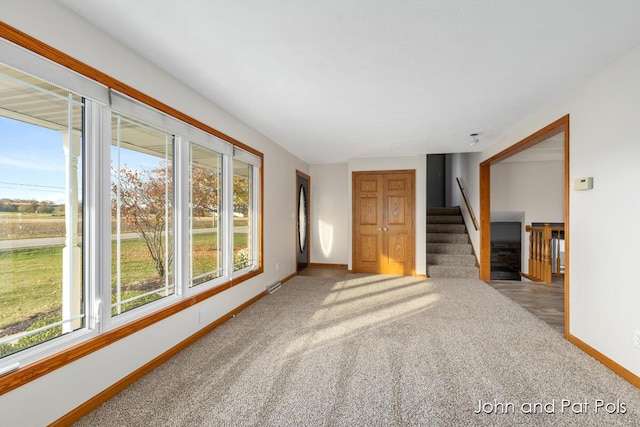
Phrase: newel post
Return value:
(546, 254)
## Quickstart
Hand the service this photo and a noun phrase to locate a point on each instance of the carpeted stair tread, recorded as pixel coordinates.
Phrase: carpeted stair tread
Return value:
(447, 238)
(449, 248)
(450, 259)
(446, 271)
(443, 211)
(446, 228)
(444, 219)
(449, 253)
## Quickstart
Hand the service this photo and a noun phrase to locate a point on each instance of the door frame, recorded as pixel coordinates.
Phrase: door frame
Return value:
(560, 125)
(413, 212)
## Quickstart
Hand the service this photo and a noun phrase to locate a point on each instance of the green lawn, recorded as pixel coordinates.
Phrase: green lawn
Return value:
(137, 265)
(30, 283)
(31, 279)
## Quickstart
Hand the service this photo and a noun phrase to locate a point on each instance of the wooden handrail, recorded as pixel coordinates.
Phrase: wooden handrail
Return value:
(530, 228)
(466, 202)
(540, 256)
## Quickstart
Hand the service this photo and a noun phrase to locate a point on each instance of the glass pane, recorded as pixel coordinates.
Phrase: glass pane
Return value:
(41, 290)
(242, 215)
(142, 214)
(205, 197)
(302, 219)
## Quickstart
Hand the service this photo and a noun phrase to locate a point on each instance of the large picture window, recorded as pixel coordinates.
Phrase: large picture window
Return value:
(41, 197)
(111, 211)
(142, 211)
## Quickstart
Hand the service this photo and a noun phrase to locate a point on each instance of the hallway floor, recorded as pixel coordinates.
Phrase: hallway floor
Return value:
(546, 301)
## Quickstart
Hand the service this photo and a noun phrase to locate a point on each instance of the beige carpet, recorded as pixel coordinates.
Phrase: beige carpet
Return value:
(374, 351)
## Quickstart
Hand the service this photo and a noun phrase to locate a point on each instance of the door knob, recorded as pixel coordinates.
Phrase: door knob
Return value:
(385, 229)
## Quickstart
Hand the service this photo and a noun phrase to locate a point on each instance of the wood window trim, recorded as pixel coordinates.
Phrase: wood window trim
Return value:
(46, 365)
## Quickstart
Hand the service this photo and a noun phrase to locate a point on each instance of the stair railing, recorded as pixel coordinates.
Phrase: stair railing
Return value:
(466, 202)
(542, 253)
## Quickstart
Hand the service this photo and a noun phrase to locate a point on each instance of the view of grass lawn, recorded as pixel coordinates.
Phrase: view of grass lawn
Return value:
(136, 264)
(30, 283)
(31, 279)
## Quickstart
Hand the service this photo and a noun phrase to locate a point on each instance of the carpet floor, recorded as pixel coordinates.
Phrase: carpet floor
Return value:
(371, 350)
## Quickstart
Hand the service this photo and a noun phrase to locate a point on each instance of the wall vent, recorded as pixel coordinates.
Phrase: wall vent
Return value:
(274, 287)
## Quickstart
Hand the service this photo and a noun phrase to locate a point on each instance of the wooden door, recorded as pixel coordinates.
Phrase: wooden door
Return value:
(384, 222)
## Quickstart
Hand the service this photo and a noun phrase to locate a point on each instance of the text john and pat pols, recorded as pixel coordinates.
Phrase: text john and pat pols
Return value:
(552, 406)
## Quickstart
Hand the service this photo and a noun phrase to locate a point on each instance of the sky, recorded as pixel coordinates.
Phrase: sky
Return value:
(32, 162)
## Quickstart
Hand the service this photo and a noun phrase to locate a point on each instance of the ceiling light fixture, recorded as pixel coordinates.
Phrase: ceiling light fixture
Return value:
(475, 139)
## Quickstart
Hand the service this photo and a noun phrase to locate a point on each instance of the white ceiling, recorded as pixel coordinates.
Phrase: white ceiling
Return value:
(333, 80)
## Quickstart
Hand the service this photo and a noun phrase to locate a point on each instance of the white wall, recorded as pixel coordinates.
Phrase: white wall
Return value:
(535, 188)
(419, 164)
(330, 207)
(64, 389)
(471, 181)
(603, 231)
(456, 168)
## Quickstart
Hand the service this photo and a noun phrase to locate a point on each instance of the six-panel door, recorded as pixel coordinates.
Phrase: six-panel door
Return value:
(383, 222)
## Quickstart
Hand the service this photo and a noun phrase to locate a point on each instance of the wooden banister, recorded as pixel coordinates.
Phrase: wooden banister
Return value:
(466, 202)
(540, 252)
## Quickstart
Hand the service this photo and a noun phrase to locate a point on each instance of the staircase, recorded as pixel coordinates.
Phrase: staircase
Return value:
(449, 251)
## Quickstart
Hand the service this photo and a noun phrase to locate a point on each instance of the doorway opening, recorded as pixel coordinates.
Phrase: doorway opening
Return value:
(559, 131)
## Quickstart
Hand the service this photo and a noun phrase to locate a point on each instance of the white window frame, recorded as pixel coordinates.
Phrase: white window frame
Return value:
(110, 321)
(91, 226)
(255, 246)
(222, 223)
(255, 163)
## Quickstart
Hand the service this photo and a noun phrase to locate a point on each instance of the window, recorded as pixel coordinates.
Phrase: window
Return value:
(110, 211)
(242, 215)
(205, 225)
(41, 201)
(142, 214)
